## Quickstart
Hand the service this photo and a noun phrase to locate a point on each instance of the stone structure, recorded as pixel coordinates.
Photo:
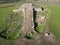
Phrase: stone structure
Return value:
(27, 11)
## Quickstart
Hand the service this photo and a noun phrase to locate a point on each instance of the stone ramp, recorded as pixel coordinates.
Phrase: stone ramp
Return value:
(28, 16)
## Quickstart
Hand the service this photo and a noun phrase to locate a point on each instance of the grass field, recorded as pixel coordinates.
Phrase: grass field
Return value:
(54, 21)
(4, 13)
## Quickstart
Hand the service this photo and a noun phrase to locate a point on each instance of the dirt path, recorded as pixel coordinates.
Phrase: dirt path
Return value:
(28, 22)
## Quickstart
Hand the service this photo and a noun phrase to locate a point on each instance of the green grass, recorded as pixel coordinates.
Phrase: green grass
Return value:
(18, 19)
(4, 13)
(30, 35)
(54, 21)
(7, 5)
(40, 29)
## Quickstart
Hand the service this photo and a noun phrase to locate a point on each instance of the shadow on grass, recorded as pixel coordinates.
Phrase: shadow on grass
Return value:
(3, 33)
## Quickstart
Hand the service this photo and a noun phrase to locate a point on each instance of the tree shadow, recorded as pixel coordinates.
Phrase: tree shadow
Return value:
(34, 19)
(3, 33)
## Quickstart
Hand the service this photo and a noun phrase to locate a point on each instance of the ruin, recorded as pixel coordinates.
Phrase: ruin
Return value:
(29, 13)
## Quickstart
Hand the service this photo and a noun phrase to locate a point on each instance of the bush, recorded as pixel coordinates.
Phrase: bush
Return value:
(13, 25)
(30, 35)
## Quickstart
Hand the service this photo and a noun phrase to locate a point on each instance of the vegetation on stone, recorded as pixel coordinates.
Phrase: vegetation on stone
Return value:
(13, 25)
